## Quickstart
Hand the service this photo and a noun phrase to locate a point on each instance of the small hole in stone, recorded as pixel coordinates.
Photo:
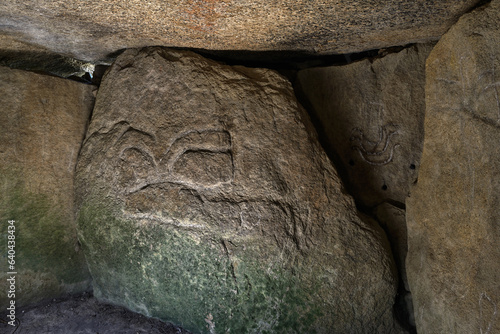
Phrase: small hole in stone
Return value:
(351, 162)
(384, 187)
(412, 166)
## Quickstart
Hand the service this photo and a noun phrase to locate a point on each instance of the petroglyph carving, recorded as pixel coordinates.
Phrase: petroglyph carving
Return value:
(379, 152)
(488, 313)
(214, 141)
(194, 158)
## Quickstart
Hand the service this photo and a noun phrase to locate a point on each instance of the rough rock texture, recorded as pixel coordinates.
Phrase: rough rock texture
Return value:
(205, 199)
(92, 30)
(83, 314)
(11, 43)
(454, 209)
(42, 125)
(393, 220)
(23, 56)
(372, 114)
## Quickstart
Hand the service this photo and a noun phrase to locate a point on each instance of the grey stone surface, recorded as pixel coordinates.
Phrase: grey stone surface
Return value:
(393, 221)
(205, 199)
(42, 125)
(372, 114)
(83, 314)
(454, 212)
(91, 30)
(24, 56)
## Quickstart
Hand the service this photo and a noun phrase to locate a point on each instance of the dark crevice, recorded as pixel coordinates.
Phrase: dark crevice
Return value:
(45, 63)
(395, 203)
(480, 3)
(401, 311)
(285, 62)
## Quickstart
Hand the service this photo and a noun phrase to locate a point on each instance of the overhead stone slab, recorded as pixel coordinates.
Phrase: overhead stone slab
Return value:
(205, 199)
(371, 113)
(454, 210)
(92, 30)
(42, 125)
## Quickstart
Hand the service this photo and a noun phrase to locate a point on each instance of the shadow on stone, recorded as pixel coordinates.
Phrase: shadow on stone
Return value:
(83, 314)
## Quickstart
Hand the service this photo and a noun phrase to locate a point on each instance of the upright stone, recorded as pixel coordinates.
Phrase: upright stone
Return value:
(205, 199)
(42, 126)
(454, 209)
(371, 113)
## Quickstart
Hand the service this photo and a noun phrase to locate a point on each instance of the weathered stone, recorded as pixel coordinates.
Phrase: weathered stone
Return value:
(454, 210)
(13, 43)
(393, 221)
(49, 63)
(91, 30)
(42, 125)
(205, 199)
(23, 56)
(371, 113)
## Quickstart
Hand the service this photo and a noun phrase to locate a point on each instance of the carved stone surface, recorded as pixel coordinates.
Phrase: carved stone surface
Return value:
(372, 116)
(42, 125)
(454, 209)
(92, 30)
(205, 199)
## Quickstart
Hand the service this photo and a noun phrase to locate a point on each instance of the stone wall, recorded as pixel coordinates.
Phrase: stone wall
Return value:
(42, 124)
(208, 195)
(453, 210)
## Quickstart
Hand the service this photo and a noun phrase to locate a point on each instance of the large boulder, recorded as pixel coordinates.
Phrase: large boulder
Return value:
(42, 125)
(454, 210)
(205, 199)
(91, 30)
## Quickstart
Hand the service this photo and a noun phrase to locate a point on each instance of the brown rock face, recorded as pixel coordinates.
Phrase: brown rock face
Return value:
(372, 115)
(454, 209)
(42, 125)
(205, 199)
(393, 220)
(92, 30)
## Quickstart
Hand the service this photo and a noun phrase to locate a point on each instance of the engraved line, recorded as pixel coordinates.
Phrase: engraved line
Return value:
(493, 317)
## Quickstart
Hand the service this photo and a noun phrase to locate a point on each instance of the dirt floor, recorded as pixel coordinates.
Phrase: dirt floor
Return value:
(83, 314)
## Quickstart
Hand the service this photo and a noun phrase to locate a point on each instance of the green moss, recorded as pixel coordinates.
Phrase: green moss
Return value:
(166, 273)
(46, 254)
